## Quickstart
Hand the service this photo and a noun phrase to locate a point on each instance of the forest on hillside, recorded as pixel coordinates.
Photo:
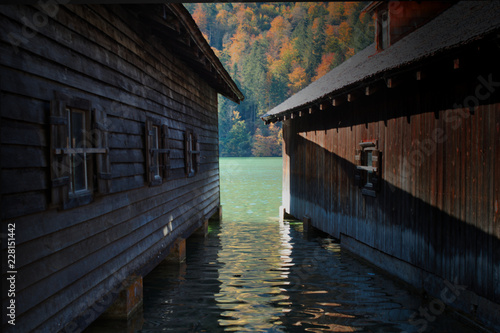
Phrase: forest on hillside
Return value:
(273, 50)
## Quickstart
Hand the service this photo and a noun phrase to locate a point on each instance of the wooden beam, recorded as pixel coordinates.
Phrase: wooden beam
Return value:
(337, 101)
(392, 82)
(370, 90)
(353, 96)
(419, 75)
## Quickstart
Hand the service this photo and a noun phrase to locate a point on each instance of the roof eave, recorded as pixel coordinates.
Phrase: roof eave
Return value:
(233, 92)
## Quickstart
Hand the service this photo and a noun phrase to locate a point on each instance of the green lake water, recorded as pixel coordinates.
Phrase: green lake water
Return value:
(251, 188)
(255, 274)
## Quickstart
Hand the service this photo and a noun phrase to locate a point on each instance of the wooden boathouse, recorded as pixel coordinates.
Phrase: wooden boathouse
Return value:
(396, 152)
(109, 153)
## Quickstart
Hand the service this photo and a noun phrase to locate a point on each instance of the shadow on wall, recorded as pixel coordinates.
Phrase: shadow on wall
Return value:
(438, 212)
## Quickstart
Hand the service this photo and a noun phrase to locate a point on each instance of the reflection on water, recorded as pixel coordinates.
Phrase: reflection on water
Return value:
(253, 277)
(254, 274)
(270, 277)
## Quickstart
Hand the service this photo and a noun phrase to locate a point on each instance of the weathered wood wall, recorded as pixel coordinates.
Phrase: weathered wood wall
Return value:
(438, 207)
(68, 259)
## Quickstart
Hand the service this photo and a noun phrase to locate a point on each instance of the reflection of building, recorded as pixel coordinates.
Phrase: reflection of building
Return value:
(396, 151)
(109, 150)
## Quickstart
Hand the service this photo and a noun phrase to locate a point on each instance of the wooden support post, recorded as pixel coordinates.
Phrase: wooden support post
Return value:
(307, 224)
(202, 231)
(129, 300)
(177, 253)
(217, 215)
(284, 215)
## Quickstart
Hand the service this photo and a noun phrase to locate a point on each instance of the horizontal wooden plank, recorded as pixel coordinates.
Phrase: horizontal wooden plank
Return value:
(126, 141)
(24, 108)
(113, 79)
(146, 234)
(152, 53)
(15, 205)
(67, 248)
(22, 133)
(122, 125)
(34, 83)
(14, 156)
(128, 183)
(23, 180)
(120, 170)
(122, 237)
(126, 155)
(153, 60)
(73, 151)
(109, 281)
(79, 43)
(53, 220)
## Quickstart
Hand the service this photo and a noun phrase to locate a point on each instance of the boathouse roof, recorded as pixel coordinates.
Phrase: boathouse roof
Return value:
(462, 24)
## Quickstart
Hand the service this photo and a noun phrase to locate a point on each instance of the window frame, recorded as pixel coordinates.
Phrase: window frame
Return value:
(368, 171)
(157, 152)
(191, 153)
(64, 147)
(73, 150)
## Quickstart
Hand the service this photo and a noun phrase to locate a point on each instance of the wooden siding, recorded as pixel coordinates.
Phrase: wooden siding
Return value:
(438, 205)
(69, 259)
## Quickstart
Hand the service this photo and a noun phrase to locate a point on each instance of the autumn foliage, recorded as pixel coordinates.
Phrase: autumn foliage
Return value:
(273, 50)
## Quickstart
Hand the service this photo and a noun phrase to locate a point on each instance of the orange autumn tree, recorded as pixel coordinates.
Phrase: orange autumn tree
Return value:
(270, 145)
(297, 79)
(325, 66)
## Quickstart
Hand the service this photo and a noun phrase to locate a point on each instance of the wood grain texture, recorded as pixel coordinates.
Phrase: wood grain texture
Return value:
(73, 257)
(437, 208)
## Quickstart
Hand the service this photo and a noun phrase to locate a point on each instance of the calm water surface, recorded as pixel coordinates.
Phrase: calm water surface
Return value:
(254, 274)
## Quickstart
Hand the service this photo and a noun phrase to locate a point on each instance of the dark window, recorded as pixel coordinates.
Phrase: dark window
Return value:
(368, 172)
(78, 148)
(158, 152)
